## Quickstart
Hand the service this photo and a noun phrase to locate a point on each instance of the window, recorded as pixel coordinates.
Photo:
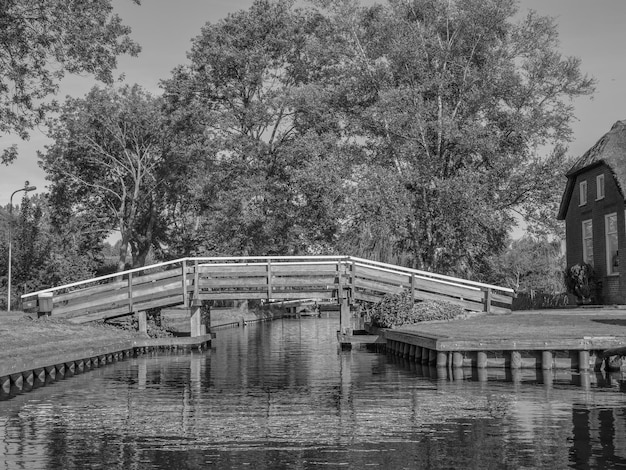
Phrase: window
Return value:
(588, 242)
(583, 193)
(600, 187)
(610, 227)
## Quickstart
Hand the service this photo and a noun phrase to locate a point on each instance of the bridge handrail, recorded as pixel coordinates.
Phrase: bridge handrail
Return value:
(431, 275)
(419, 276)
(333, 259)
(305, 260)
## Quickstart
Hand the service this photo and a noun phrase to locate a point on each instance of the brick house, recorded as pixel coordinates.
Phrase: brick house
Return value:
(593, 209)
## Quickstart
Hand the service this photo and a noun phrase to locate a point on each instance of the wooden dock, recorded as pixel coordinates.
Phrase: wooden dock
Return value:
(570, 339)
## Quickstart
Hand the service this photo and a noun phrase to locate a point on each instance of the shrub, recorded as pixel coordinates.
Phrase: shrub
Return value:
(580, 280)
(398, 309)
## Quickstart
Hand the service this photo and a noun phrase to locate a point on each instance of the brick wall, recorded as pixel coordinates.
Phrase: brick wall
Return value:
(613, 287)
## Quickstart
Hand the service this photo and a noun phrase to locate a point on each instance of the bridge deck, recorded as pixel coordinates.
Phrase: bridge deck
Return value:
(188, 280)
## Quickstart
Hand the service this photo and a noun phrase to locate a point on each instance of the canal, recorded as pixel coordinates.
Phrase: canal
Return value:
(280, 395)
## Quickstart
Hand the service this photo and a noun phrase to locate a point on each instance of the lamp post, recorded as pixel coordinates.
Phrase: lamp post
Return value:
(26, 189)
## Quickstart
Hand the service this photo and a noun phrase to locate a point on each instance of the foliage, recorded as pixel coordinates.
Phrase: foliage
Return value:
(450, 102)
(269, 173)
(44, 255)
(537, 301)
(531, 265)
(398, 309)
(580, 280)
(43, 39)
(107, 163)
(156, 326)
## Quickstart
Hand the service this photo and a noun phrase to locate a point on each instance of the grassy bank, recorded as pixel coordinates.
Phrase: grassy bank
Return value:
(22, 336)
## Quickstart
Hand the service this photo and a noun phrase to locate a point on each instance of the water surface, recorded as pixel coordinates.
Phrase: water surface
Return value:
(281, 395)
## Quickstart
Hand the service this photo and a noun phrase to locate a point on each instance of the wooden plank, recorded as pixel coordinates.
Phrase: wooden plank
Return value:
(470, 294)
(466, 304)
(238, 269)
(384, 276)
(428, 285)
(378, 286)
(113, 286)
(184, 285)
(304, 270)
(119, 297)
(116, 312)
(145, 278)
(500, 298)
(326, 295)
(269, 279)
(90, 302)
(155, 287)
(123, 306)
(130, 291)
(92, 290)
(203, 295)
(305, 281)
(217, 283)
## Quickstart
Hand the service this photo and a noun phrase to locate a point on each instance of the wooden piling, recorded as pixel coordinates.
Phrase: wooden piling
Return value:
(583, 360)
(546, 360)
(457, 359)
(442, 359)
(516, 360)
(432, 356)
(418, 354)
(481, 359)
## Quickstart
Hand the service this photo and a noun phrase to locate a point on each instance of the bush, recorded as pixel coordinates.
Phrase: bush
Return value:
(399, 309)
(580, 280)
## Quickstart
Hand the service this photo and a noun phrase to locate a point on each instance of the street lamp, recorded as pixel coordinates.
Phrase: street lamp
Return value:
(27, 187)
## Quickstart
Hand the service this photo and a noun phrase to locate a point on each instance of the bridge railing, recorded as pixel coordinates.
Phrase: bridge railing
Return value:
(179, 281)
(371, 280)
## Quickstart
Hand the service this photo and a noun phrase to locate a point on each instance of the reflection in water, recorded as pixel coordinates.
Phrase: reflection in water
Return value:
(281, 395)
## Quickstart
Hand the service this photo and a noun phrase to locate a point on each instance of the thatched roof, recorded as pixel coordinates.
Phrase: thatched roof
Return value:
(611, 150)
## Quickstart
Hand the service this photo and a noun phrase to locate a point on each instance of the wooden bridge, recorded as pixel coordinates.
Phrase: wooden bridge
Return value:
(187, 282)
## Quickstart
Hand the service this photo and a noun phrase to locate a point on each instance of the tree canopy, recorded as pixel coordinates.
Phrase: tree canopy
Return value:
(410, 132)
(41, 40)
(107, 165)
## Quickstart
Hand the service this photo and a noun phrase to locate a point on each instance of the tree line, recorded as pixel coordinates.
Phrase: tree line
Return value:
(409, 133)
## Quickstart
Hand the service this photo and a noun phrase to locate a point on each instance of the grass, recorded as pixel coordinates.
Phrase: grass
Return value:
(21, 335)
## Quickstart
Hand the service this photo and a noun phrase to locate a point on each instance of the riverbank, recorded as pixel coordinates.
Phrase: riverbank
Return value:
(35, 351)
(580, 339)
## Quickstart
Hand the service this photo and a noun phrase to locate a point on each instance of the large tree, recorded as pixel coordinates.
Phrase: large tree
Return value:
(461, 111)
(107, 163)
(40, 40)
(249, 99)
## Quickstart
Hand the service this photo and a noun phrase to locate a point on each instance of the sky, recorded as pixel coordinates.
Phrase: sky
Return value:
(590, 30)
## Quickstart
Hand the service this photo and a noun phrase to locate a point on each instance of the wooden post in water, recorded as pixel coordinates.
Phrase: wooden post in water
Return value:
(481, 359)
(344, 304)
(546, 360)
(516, 360)
(142, 321)
(583, 360)
(196, 317)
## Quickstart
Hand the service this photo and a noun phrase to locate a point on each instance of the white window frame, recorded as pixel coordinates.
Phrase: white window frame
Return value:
(609, 261)
(599, 187)
(582, 193)
(585, 253)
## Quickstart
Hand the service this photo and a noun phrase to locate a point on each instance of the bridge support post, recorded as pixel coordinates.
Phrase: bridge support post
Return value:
(196, 318)
(142, 321)
(344, 317)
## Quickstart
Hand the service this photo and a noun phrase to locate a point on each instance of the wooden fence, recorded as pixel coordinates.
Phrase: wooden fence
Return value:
(190, 280)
